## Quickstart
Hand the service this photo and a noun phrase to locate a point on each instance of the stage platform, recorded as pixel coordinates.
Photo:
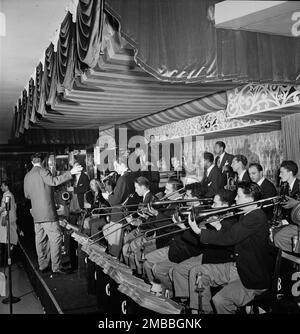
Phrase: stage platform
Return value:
(66, 294)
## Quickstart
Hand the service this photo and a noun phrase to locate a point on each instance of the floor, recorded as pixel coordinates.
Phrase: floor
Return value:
(29, 303)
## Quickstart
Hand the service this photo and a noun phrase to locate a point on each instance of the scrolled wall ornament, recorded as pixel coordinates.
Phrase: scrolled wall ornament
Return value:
(255, 98)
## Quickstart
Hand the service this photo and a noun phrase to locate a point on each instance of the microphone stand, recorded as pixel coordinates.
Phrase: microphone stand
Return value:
(10, 299)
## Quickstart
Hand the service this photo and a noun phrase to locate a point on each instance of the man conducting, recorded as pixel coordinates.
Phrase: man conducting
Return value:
(38, 187)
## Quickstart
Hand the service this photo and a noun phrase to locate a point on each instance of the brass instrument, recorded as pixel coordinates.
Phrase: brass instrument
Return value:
(231, 183)
(221, 213)
(66, 196)
(157, 203)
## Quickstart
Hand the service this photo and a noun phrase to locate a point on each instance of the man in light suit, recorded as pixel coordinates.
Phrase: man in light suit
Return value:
(38, 187)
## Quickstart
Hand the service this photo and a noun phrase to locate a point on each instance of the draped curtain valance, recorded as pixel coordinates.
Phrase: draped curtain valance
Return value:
(177, 41)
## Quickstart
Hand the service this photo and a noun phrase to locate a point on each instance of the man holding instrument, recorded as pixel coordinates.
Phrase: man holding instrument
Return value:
(142, 188)
(121, 193)
(250, 273)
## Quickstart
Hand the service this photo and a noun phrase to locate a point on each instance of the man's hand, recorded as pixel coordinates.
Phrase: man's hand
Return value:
(77, 169)
(193, 225)
(61, 210)
(291, 203)
(105, 195)
(129, 219)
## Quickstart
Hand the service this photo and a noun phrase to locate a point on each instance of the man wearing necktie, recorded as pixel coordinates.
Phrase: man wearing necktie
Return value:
(222, 158)
(212, 179)
(283, 238)
(239, 164)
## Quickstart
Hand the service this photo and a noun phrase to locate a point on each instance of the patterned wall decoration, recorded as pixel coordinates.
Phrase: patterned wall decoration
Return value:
(266, 148)
(199, 125)
(254, 98)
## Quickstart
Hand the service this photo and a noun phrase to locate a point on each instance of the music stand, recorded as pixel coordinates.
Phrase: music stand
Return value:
(10, 299)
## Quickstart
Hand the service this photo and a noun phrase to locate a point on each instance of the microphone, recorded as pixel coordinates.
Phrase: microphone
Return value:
(7, 203)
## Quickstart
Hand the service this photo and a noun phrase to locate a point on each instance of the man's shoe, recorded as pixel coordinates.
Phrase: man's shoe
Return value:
(61, 272)
(45, 270)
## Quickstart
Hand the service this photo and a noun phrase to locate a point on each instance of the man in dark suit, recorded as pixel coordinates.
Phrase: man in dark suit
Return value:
(288, 172)
(267, 187)
(81, 186)
(222, 158)
(38, 187)
(239, 166)
(250, 273)
(121, 194)
(212, 176)
(133, 259)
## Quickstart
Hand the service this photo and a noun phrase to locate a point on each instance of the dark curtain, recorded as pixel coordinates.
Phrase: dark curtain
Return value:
(65, 55)
(37, 89)
(49, 81)
(177, 41)
(23, 111)
(174, 40)
(29, 101)
(89, 21)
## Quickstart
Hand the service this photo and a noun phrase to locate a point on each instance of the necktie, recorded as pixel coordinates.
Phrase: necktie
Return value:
(218, 161)
(289, 190)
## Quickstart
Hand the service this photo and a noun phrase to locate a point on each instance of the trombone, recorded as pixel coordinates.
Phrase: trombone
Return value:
(156, 203)
(221, 213)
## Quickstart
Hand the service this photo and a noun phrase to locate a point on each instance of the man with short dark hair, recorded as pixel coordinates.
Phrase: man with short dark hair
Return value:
(38, 187)
(288, 172)
(120, 195)
(267, 187)
(250, 273)
(212, 180)
(222, 158)
(239, 164)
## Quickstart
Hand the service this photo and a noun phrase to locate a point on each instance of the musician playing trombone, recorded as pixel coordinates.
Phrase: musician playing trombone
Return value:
(183, 274)
(250, 272)
(159, 219)
(142, 188)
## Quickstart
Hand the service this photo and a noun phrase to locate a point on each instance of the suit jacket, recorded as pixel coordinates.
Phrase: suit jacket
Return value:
(38, 187)
(246, 177)
(187, 244)
(123, 188)
(83, 185)
(295, 192)
(213, 182)
(268, 190)
(226, 158)
(250, 237)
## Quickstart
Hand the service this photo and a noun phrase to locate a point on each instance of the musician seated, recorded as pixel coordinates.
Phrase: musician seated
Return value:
(239, 166)
(283, 238)
(267, 187)
(250, 274)
(135, 246)
(184, 274)
(131, 240)
(93, 200)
